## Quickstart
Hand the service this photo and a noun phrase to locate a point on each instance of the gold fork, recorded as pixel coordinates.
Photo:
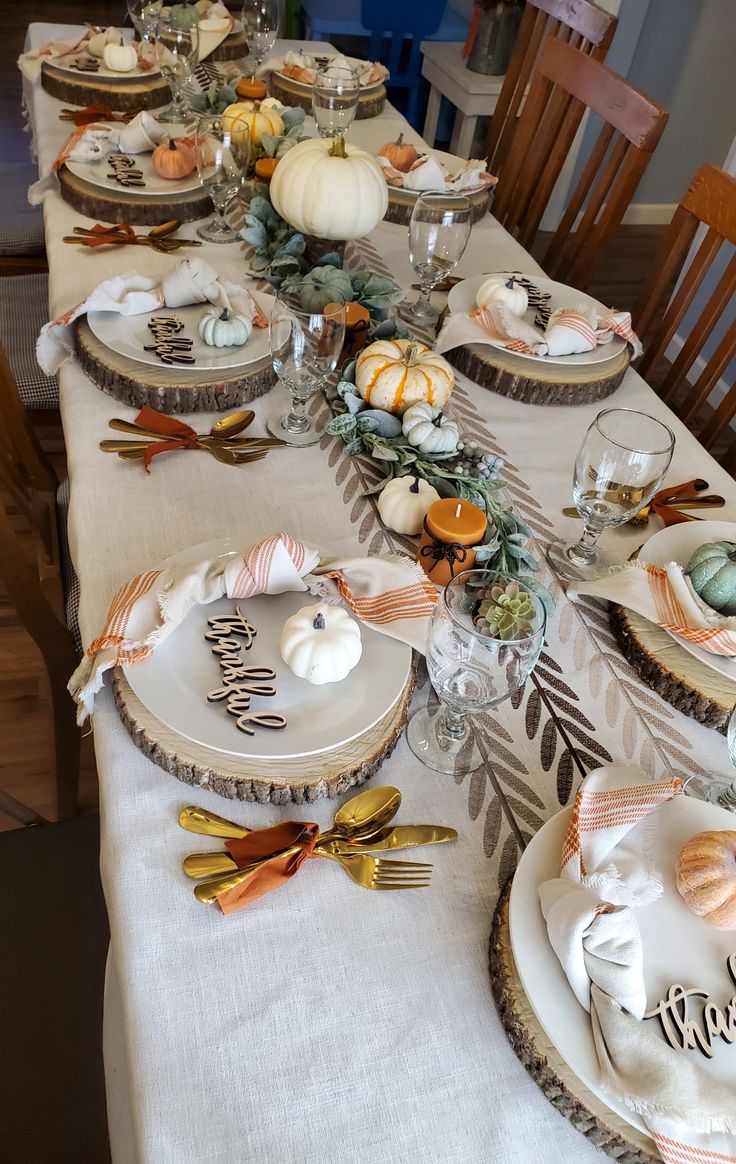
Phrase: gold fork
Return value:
(370, 872)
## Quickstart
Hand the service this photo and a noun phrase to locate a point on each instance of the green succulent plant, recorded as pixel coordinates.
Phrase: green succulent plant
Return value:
(505, 612)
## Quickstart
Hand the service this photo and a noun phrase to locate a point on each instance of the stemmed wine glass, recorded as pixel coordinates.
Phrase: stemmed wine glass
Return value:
(470, 669)
(177, 60)
(221, 165)
(439, 230)
(305, 348)
(619, 467)
(261, 26)
(145, 16)
(717, 789)
(335, 97)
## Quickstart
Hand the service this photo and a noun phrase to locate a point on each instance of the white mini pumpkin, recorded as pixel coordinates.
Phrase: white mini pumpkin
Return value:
(394, 374)
(224, 329)
(428, 429)
(321, 643)
(120, 57)
(329, 189)
(503, 289)
(97, 44)
(403, 504)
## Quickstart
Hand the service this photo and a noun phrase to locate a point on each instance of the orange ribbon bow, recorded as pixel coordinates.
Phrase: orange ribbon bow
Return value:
(178, 435)
(665, 503)
(91, 113)
(277, 844)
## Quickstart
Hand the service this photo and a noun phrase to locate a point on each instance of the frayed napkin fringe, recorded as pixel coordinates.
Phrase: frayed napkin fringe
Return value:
(695, 1121)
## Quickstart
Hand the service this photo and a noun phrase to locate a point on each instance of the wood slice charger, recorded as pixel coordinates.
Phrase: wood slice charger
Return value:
(169, 389)
(370, 103)
(402, 202)
(232, 48)
(296, 781)
(602, 1127)
(123, 206)
(131, 96)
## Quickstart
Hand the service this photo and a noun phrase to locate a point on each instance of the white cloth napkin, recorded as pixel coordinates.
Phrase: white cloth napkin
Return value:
(666, 596)
(299, 67)
(190, 281)
(428, 173)
(89, 143)
(390, 594)
(570, 330)
(30, 63)
(691, 1116)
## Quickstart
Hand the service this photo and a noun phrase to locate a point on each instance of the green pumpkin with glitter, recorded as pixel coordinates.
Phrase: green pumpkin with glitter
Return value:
(712, 573)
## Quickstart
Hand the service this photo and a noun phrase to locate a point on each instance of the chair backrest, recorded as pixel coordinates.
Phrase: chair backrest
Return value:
(566, 82)
(580, 23)
(405, 23)
(709, 203)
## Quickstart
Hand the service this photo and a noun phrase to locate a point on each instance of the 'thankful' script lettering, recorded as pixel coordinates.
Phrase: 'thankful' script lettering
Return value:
(685, 1033)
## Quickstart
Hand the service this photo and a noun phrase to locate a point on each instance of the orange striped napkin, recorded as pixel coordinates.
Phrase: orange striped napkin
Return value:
(666, 597)
(390, 594)
(570, 331)
(691, 1116)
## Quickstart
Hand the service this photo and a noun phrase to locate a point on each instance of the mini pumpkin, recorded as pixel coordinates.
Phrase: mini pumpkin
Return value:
(173, 160)
(712, 573)
(321, 643)
(503, 289)
(120, 57)
(97, 44)
(323, 285)
(183, 16)
(706, 877)
(401, 155)
(394, 374)
(429, 430)
(403, 504)
(225, 328)
(252, 118)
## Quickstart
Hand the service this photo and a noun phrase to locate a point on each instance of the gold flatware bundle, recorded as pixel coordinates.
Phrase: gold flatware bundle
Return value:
(361, 827)
(160, 238)
(223, 441)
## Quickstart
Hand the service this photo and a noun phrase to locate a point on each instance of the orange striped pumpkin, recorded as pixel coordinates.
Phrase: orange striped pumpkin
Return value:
(394, 374)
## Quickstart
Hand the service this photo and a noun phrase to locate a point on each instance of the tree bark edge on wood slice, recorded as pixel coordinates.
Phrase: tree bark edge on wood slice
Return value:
(532, 382)
(324, 776)
(105, 205)
(602, 1127)
(293, 94)
(672, 672)
(401, 205)
(125, 97)
(170, 390)
(233, 48)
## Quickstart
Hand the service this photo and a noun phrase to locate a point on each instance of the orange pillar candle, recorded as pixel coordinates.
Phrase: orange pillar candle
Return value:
(450, 528)
(265, 168)
(251, 87)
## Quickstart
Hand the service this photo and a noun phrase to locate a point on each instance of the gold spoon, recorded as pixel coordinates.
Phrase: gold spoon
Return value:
(230, 426)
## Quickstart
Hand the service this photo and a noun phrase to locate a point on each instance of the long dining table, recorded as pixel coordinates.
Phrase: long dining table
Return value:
(323, 1022)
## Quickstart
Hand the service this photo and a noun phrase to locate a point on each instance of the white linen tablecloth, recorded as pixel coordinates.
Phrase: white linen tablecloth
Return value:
(324, 1021)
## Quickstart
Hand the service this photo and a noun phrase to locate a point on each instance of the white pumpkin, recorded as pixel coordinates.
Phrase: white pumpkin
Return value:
(96, 44)
(120, 57)
(428, 429)
(251, 117)
(321, 643)
(503, 289)
(329, 189)
(394, 374)
(403, 504)
(225, 329)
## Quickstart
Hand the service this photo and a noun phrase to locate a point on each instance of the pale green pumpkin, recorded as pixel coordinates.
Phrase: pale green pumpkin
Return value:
(183, 17)
(712, 572)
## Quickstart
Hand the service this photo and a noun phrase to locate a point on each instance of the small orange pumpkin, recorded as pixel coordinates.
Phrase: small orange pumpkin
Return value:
(400, 155)
(251, 87)
(173, 160)
(706, 877)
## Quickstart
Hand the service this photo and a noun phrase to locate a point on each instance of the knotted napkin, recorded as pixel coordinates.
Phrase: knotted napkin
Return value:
(30, 63)
(391, 594)
(190, 281)
(428, 173)
(691, 1116)
(570, 330)
(665, 596)
(302, 67)
(92, 141)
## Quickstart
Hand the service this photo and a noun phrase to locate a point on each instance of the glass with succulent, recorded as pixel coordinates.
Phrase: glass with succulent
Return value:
(484, 639)
(221, 164)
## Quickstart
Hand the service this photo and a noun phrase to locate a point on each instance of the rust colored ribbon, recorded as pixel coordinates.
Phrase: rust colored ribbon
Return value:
(665, 503)
(178, 435)
(120, 234)
(275, 844)
(92, 113)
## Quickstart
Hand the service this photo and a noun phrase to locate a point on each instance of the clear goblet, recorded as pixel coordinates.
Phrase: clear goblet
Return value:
(261, 26)
(145, 16)
(176, 51)
(305, 348)
(619, 467)
(470, 669)
(221, 165)
(439, 230)
(335, 97)
(717, 789)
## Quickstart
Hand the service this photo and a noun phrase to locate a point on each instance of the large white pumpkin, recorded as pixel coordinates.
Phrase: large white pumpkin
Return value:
(329, 189)
(394, 374)
(321, 643)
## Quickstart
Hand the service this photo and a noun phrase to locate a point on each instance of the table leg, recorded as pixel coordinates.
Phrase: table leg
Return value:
(463, 134)
(429, 133)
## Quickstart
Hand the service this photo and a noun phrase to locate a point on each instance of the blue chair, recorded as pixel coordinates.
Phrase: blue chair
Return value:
(326, 18)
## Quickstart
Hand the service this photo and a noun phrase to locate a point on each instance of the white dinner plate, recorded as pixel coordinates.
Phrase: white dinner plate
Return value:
(173, 683)
(128, 335)
(103, 73)
(462, 299)
(678, 543)
(678, 946)
(307, 88)
(97, 174)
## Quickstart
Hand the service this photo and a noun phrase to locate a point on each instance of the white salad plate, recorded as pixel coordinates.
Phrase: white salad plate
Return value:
(64, 64)
(173, 683)
(678, 543)
(462, 298)
(128, 335)
(678, 946)
(97, 173)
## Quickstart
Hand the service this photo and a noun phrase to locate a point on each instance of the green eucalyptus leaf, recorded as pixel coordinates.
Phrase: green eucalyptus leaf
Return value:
(354, 447)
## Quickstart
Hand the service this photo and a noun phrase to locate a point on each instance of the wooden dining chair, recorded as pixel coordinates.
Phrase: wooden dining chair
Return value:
(708, 207)
(566, 82)
(580, 23)
(22, 243)
(33, 580)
